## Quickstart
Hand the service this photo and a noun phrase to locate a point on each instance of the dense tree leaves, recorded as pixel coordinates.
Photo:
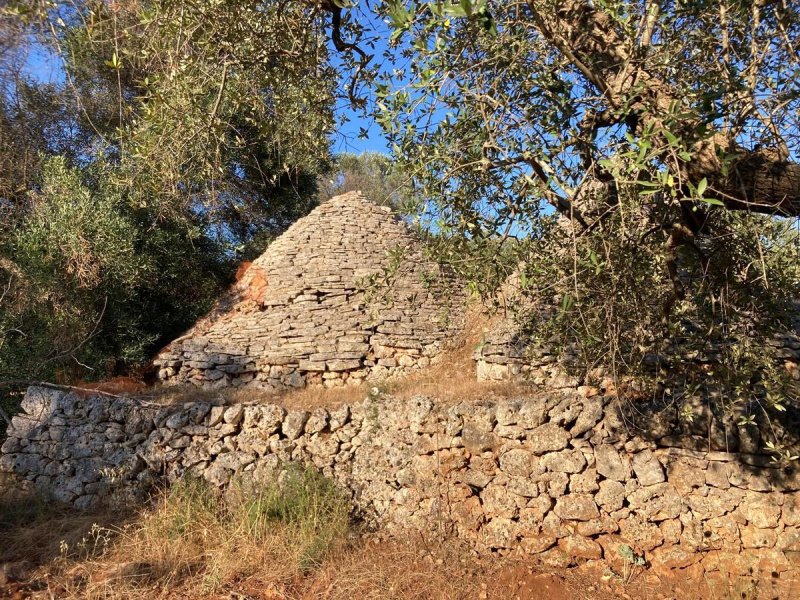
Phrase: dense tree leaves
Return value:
(512, 105)
(632, 162)
(179, 137)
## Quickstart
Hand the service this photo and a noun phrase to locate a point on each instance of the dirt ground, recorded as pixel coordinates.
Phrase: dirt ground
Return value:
(396, 570)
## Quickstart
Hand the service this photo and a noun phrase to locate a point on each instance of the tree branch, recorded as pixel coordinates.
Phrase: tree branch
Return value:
(757, 181)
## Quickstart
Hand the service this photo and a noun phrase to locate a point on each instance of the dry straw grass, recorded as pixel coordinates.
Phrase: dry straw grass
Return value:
(33, 529)
(293, 540)
(194, 541)
(410, 568)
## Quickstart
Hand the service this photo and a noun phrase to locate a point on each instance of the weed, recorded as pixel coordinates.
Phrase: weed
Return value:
(632, 563)
(202, 540)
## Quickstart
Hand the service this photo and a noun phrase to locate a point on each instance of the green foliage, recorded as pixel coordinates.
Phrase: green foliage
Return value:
(185, 136)
(91, 286)
(503, 116)
(698, 318)
(372, 173)
(308, 510)
(566, 165)
(229, 122)
(84, 234)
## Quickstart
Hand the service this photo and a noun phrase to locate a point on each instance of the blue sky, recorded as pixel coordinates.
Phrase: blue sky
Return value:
(347, 140)
(374, 43)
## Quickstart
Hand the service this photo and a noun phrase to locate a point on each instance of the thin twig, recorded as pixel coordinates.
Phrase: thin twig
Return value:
(13, 383)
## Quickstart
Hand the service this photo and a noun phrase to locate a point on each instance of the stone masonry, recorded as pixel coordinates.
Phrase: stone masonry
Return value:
(508, 354)
(557, 475)
(345, 294)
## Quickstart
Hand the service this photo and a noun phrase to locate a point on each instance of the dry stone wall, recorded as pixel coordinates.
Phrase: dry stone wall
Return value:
(508, 354)
(345, 294)
(558, 475)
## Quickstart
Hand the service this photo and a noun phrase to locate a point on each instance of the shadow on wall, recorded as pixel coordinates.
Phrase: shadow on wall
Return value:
(677, 402)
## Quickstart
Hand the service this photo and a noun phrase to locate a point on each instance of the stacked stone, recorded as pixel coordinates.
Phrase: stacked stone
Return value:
(344, 295)
(555, 475)
(509, 354)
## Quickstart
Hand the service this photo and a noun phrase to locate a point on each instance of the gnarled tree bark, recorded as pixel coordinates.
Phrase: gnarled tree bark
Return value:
(758, 181)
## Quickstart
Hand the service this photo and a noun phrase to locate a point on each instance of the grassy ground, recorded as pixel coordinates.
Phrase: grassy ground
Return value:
(293, 540)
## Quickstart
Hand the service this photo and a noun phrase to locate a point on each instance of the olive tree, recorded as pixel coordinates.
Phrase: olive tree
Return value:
(635, 162)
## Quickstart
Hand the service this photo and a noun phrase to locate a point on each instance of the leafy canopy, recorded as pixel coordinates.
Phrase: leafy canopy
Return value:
(178, 137)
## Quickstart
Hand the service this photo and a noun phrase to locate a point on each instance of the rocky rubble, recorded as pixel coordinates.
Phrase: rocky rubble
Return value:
(554, 475)
(345, 294)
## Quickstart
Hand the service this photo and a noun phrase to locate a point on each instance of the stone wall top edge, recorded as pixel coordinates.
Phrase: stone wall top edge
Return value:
(42, 403)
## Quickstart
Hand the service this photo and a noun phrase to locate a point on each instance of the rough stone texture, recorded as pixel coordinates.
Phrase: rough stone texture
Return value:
(345, 294)
(509, 353)
(409, 463)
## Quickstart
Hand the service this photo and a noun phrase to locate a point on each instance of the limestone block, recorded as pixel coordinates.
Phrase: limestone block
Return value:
(547, 438)
(499, 533)
(674, 556)
(576, 507)
(755, 537)
(640, 534)
(717, 475)
(235, 414)
(591, 413)
(317, 421)
(308, 365)
(517, 463)
(647, 468)
(40, 402)
(579, 547)
(610, 464)
(686, 475)
(566, 461)
(656, 502)
(293, 424)
(611, 495)
(760, 509)
(491, 372)
(715, 503)
(585, 482)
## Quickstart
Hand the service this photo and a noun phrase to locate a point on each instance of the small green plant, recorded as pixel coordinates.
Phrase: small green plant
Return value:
(311, 510)
(780, 453)
(687, 413)
(632, 563)
(427, 279)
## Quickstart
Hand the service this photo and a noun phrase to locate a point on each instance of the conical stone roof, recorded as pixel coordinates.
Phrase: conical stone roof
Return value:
(345, 294)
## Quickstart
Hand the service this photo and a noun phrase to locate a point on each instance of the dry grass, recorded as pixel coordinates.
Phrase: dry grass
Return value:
(405, 569)
(451, 379)
(193, 541)
(287, 543)
(33, 529)
(291, 541)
